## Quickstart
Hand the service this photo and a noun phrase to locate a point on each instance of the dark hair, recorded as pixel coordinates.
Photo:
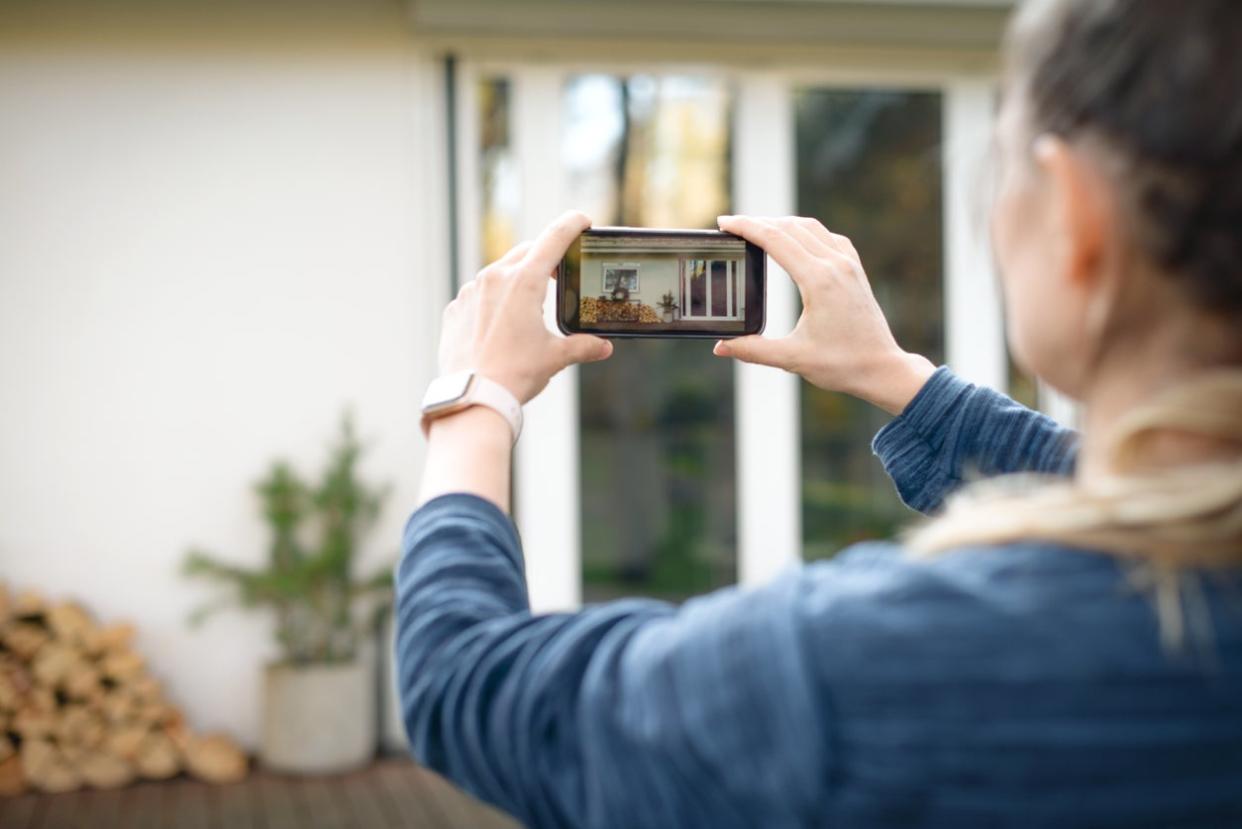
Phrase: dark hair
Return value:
(1159, 82)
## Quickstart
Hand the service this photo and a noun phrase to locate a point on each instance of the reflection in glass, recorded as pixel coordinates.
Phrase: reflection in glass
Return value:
(1022, 386)
(500, 192)
(658, 503)
(868, 167)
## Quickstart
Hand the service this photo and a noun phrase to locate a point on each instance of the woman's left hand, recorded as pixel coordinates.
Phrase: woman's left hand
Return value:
(495, 326)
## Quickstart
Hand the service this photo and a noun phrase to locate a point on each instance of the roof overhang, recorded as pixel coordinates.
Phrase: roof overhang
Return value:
(798, 30)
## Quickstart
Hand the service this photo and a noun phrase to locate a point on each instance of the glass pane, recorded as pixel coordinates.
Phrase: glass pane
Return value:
(498, 178)
(868, 166)
(720, 290)
(698, 288)
(1022, 386)
(658, 515)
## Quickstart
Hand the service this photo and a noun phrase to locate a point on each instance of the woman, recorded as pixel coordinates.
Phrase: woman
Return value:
(1065, 651)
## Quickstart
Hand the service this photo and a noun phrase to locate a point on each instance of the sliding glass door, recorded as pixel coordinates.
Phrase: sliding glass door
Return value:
(869, 167)
(666, 471)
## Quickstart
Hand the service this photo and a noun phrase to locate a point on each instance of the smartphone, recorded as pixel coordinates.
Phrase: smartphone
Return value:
(638, 282)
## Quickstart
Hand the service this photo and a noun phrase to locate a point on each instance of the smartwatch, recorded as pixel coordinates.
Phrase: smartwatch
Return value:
(450, 393)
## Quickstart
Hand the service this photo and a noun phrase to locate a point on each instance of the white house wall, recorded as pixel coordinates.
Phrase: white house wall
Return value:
(657, 275)
(216, 233)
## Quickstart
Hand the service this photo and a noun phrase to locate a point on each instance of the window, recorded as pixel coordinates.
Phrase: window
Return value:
(623, 277)
(498, 177)
(656, 420)
(868, 166)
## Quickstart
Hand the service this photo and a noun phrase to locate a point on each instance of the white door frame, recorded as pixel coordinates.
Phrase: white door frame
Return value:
(684, 278)
(765, 400)
(547, 483)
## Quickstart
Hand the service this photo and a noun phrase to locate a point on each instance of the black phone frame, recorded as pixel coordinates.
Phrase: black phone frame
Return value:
(756, 289)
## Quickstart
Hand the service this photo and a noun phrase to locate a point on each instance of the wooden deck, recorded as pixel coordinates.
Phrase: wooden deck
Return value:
(390, 793)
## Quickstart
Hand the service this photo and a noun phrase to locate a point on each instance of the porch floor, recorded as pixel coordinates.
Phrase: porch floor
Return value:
(391, 792)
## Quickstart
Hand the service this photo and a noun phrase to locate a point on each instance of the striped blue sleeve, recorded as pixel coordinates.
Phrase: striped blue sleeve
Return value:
(954, 431)
(633, 713)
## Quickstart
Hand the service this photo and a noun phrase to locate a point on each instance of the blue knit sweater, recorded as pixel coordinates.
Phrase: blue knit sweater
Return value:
(1022, 685)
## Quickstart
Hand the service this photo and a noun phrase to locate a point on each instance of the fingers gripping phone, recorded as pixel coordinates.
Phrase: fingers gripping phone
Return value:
(635, 282)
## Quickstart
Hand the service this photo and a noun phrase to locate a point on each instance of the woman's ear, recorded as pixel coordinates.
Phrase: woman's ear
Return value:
(1083, 219)
(1076, 197)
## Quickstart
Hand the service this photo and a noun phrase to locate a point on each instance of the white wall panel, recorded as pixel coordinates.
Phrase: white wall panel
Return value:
(209, 247)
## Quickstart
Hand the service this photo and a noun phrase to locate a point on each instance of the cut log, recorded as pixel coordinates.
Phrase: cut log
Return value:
(122, 665)
(24, 639)
(12, 776)
(157, 757)
(41, 699)
(215, 758)
(114, 637)
(17, 676)
(174, 718)
(29, 603)
(147, 688)
(104, 771)
(181, 736)
(46, 768)
(126, 741)
(31, 723)
(53, 663)
(78, 707)
(118, 706)
(79, 726)
(73, 755)
(70, 622)
(83, 682)
(9, 694)
(157, 714)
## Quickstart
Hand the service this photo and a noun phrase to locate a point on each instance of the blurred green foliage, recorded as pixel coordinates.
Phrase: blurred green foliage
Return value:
(308, 579)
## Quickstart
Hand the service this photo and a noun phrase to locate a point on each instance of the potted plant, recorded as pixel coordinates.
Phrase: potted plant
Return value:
(319, 697)
(668, 305)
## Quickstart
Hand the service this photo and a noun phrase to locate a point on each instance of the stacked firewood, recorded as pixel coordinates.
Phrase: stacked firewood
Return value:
(78, 707)
(607, 310)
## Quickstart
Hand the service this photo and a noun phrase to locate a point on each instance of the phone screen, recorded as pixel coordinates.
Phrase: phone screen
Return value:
(661, 283)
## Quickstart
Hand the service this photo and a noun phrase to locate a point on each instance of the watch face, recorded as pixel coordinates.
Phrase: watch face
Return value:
(446, 390)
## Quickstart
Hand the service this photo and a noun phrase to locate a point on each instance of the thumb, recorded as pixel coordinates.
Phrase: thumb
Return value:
(756, 349)
(585, 348)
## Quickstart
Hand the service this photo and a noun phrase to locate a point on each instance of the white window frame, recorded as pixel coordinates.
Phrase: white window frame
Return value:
(769, 497)
(620, 266)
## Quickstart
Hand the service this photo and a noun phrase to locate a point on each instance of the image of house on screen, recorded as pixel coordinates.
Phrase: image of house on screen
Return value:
(660, 279)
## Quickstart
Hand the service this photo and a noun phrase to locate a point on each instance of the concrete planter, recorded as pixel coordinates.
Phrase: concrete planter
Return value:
(318, 719)
(392, 731)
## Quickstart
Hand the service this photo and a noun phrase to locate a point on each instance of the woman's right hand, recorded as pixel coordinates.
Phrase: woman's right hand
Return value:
(842, 341)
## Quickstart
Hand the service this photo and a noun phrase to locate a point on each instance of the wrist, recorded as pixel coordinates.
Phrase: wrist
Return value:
(479, 423)
(897, 379)
(468, 451)
(456, 391)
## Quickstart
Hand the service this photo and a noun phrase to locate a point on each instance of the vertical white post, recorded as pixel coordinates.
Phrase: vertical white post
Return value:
(769, 490)
(546, 481)
(974, 318)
